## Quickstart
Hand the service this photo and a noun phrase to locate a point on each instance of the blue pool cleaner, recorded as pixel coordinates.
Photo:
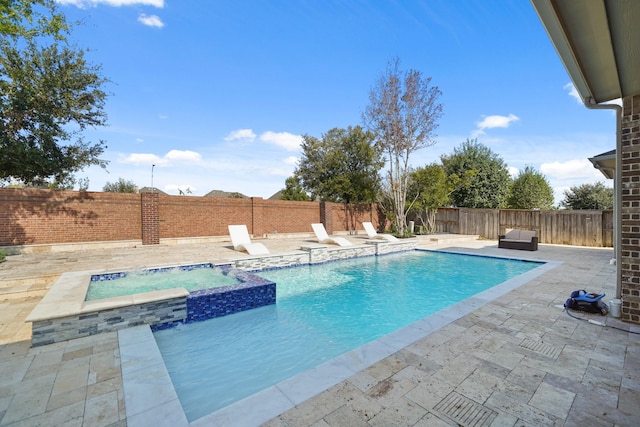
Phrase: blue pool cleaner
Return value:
(582, 300)
(589, 302)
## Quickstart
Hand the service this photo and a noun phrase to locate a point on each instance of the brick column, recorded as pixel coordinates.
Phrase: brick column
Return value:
(257, 217)
(630, 210)
(150, 207)
(326, 216)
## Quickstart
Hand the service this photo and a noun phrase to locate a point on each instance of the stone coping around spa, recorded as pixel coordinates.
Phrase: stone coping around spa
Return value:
(67, 298)
(67, 295)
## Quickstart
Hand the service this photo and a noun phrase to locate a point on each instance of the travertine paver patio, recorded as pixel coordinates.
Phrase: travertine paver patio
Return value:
(518, 360)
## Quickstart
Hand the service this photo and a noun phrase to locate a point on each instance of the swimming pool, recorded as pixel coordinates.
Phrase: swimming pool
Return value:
(322, 311)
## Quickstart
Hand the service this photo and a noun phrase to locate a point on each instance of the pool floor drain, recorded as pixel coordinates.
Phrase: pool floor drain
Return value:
(541, 348)
(465, 411)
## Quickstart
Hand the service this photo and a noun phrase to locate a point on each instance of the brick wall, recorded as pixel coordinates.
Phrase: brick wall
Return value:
(630, 210)
(340, 218)
(29, 216)
(185, 216)
(282, 216)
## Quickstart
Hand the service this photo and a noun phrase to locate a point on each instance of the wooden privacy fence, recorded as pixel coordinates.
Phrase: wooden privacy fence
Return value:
(563, 227)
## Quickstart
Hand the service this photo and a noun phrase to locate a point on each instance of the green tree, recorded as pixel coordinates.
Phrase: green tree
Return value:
(430, 189)
(120, 186)
(530, 190)
(341, 167)
(487, 174)
(588, 196)
(29, 18)
(293, 190)
(49, 94)
(403, 112)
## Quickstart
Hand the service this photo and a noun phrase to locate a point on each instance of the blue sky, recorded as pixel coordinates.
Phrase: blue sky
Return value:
(217, 94)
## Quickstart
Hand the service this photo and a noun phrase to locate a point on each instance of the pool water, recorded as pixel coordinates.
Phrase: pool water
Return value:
(192, 278)
(321, 312)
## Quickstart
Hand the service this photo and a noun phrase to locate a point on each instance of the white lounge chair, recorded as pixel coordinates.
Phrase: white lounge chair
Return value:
(371, 232)
(241, 241)
(323, 237)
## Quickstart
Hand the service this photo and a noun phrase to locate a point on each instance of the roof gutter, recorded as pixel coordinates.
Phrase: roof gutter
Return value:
(591, 104)
(551, 21)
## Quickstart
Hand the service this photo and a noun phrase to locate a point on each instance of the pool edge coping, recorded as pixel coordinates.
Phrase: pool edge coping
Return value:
(268, 403)
(67, 298)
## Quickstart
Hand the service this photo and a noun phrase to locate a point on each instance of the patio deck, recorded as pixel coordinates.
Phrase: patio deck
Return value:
(518, 360)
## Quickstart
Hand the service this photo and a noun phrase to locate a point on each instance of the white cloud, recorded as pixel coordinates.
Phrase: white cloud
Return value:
(241, 134)
(495, 121)
(142, 159)
(150, 20)
(139, 140)
(513, 171)
(152, 159)
(116, 3)
(280, 172)
(571, 169)
(573, 92)
(291, 160)
(183, 155)
(285, 171)
(286, 140)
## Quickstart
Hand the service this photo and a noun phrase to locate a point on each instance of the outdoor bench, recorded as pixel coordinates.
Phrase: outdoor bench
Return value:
(518, 239)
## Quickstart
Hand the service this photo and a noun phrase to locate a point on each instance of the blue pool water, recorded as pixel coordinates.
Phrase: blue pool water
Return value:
(321, 312)
(192, 278)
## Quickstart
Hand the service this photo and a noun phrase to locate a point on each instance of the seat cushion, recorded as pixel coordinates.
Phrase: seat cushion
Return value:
(512, 234)
(527, 235)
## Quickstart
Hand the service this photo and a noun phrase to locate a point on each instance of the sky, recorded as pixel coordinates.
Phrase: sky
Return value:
(218, 94)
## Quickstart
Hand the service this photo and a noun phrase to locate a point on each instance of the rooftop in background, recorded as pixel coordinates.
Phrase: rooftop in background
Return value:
(605, 163)
(227, 194)
(276, 196)
(152, 190)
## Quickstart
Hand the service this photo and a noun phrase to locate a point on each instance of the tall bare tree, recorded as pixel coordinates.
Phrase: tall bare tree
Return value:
(402, 113)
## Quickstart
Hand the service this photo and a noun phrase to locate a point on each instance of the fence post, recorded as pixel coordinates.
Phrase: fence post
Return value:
(150, 207)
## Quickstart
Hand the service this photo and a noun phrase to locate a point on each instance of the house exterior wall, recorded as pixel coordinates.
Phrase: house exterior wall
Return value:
(630, 210)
